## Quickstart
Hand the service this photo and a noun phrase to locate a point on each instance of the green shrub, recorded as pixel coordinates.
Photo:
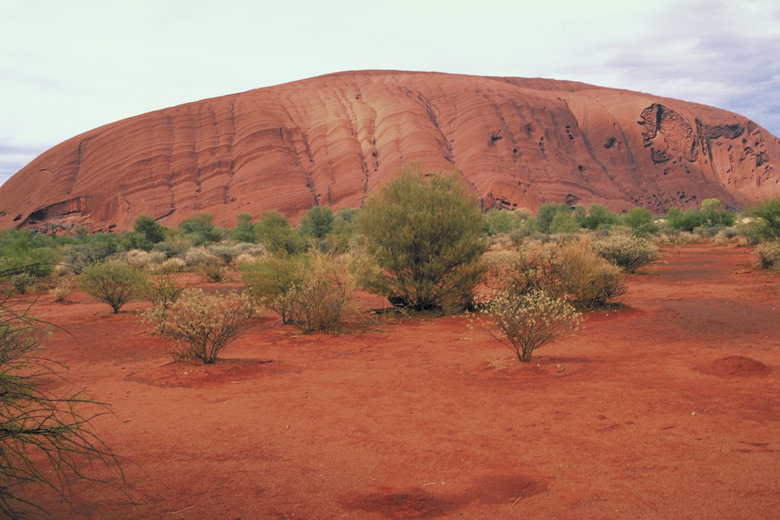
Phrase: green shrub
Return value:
(317, 222)
(750, 233)
(641, 221)
(270, 279)
(598, 215)
(626, 251)
(564, 223)
(226, 253)
(110, 282)
(275, 232)
(714, 215)
(170, 249)
(312, 292)
(152, 231)
(767, 215)
(245, 230)
(684, 220)
(500, 221)
(202, 325)
(546, 213)
(342, 231)
(528, 321)
(201, 230)
(425, 232)
(80, 256)
(32, 254)
(769, 254)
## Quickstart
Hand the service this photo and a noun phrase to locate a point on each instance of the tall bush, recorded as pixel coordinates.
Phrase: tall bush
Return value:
(424, 230)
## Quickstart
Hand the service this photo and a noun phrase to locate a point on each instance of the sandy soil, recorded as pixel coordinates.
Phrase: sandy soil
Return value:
(667, 408)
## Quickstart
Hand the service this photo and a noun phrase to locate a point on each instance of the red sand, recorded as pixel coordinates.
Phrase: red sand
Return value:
(665, 409)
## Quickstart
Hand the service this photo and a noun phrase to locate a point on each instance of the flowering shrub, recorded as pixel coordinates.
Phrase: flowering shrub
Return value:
(530, 320)
(769, 254)
(626, 251)
(202, 325)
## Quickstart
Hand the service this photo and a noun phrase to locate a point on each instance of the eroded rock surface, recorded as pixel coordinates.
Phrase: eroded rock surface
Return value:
(333, 139)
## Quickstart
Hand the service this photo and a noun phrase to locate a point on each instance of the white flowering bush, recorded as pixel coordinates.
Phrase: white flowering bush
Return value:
(171, 265)
(202, 325)
(627, 251)
(139, 259)
(528, 321)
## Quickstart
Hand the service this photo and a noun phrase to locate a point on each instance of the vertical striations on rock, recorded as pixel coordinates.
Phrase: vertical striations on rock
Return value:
(335, 138)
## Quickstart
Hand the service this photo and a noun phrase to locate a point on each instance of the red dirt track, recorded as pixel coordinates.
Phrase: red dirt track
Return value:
(665, 409)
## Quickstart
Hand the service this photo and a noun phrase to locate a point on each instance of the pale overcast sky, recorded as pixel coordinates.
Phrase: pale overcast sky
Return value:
(69, 66)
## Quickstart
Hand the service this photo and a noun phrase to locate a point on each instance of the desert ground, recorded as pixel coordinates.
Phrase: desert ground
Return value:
(666, 408)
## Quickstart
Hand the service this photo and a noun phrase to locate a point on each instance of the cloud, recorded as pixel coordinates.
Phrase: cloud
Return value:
(704, 52)
(14, 158)
(68, 67)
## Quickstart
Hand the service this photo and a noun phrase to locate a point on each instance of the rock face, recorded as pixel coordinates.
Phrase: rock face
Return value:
(331, 140)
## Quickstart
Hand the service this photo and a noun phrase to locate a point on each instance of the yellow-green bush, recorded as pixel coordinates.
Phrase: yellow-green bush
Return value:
(627, 251)
(769, 254)
(589, 280)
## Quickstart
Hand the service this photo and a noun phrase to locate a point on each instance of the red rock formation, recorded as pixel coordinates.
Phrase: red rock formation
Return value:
(332, 139)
